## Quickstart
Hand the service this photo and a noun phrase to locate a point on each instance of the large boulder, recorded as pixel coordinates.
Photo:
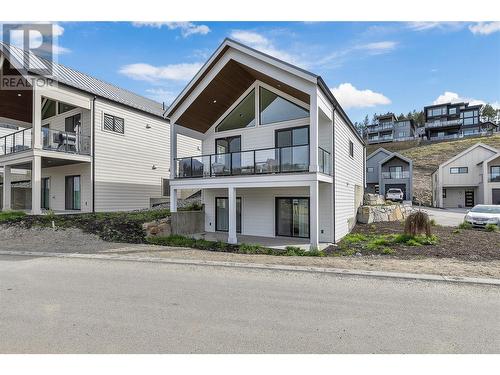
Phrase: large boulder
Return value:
(387, 212)
(158, 228)
(373, 199)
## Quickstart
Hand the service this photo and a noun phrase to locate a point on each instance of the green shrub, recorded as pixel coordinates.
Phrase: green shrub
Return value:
(355, 238)
(491, 227)
(465, 225)
(387, 251)
(11, 216)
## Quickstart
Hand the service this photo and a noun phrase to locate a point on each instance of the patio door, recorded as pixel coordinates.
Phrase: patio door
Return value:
(292, 217)
(45, 193)
(72, 193)
(222, 214)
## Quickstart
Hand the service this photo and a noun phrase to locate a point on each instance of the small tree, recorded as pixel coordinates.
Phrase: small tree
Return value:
(488, 112)
(418, 223)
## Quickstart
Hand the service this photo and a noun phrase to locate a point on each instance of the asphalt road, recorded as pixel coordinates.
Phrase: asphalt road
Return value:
(52, 305)
(446, 217)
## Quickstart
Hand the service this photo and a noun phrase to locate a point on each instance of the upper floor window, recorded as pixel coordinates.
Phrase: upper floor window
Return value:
(242, 116)
(495, 173)
(114, 124)
(274, 108)
(351, 149)
(63, 107)
(459, 170)
(370, 169)
(452, 111)
(436, 111)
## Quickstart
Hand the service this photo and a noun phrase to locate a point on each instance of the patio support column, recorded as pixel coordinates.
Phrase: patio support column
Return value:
(231, 195)
(314, 214)
(36, 126)
(313, 134)
(173, 199)
(7, 188)
(36, 185)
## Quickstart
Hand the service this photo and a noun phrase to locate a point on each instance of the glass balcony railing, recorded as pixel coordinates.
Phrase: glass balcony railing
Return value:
(52, 140)
(395, 175)
(438, 124)
(15, 142)
(74, 143)
(263, 161)
(324, 161)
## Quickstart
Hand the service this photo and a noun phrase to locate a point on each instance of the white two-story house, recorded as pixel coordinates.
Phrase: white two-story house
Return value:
(279, 155)
(81, 144)
(469, 178)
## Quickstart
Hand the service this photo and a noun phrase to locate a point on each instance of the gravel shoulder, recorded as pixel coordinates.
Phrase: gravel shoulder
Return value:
(426, 262)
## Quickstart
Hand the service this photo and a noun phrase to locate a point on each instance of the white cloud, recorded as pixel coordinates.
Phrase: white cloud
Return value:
(186, 28)
(263, 44)
(453, 97)
(485, 28)
(150, 73)
(350, 97)
(378, 48)
(445, 26)
(161, 95)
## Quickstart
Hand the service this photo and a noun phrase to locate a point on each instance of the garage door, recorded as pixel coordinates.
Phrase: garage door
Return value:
(495, 196)
(397, 186)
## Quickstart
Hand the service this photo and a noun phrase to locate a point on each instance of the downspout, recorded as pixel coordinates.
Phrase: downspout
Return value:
(93, 154)
(334, 174)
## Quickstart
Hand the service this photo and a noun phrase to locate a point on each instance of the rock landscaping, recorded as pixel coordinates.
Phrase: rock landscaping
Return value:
(376, 209)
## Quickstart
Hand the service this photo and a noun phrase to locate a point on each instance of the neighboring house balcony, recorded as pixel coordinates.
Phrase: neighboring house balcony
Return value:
(381, 139)
(380, 127)
(443, 124)
(395, 175)
(293, 159)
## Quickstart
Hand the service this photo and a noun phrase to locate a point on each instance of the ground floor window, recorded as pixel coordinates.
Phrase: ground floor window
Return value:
(292, 217)
(222, 214)
(72, 193)
(45, 193)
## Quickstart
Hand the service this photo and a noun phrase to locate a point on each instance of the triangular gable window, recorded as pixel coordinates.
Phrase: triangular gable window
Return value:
(274, 108)
(243, 116)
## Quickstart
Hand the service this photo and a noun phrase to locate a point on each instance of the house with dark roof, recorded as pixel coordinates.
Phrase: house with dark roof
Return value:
(280, 157)
(84, 144)
(388, 170)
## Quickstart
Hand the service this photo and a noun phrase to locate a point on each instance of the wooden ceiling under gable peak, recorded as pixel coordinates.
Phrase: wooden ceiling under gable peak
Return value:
(226, 87)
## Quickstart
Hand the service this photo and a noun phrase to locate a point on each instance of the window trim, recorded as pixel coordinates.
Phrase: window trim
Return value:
(163, 187)
(292, 129)
(104, 114)
(276, 210)
(65, 192)
(351, 149)
(458, 170)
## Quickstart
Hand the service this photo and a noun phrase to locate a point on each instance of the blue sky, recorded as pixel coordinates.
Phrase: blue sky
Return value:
(370, 67)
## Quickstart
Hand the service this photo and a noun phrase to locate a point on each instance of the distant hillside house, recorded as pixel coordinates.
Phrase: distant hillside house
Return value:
(388, 128)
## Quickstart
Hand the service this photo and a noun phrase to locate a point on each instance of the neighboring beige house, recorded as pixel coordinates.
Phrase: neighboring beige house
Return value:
(279, 155)
(469, 178)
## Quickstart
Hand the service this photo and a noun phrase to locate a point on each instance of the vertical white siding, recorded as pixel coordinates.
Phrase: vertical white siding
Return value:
(348, 174)
(57, 185)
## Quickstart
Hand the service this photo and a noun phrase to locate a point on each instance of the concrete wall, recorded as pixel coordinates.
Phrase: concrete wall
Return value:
(188, 222)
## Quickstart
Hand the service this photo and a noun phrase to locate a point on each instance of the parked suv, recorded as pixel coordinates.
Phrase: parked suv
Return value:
(394, 195)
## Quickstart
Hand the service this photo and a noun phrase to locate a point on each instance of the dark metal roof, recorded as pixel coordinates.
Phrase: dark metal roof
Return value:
(73, 78)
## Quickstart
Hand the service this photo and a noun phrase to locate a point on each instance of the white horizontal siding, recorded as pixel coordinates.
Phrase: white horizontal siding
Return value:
(124, 174)
(469, 160)
(57, 180)
(348, 174)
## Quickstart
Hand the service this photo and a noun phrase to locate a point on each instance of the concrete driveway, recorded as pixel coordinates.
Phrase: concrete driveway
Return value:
(449, 217)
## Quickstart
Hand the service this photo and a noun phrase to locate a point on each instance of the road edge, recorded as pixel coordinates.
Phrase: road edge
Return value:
(262, 266)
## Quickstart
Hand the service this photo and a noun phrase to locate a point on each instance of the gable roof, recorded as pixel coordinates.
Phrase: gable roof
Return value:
(396, 155)
(230, 43)
(81, 81)
(378, 150)
(479, 144)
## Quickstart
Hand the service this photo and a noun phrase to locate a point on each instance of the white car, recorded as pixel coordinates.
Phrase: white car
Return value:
(394, 195)
(483, 214)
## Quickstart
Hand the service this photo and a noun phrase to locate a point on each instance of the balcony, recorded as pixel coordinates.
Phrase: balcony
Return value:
(443, 137)
(395, 175)
(441, 124)
(380, 127)
(253, 162)
(52, 140)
